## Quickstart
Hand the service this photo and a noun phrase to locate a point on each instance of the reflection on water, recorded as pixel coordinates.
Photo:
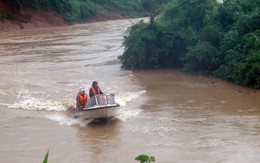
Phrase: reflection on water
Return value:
(173, 116)
(101, 141)
(200, 118)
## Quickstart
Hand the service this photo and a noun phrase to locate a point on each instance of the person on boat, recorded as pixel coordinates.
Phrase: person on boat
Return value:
(95, 90)
(81, 99)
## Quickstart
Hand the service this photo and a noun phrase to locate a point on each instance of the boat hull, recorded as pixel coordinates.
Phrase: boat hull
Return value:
(100, 106)
(101, 112)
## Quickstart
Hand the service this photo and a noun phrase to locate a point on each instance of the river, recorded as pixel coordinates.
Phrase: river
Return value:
(172, 116)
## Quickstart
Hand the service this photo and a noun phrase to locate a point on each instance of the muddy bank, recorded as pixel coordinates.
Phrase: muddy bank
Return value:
(38, 18)
(29, 18)
(32, 18)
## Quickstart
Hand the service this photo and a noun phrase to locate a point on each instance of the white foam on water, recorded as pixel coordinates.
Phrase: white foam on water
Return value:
(37, 104)
(122, 100)
(26, 101)
(30, 100)
(3, 104)
(124, 115)
(125, 112)
(63, 120)
(2, 92)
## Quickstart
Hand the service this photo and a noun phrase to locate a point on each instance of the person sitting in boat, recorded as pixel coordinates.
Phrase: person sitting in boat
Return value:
(81, 99)
(94, 90)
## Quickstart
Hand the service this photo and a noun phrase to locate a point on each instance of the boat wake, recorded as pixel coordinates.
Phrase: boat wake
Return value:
(60, 107)
(69, 121)
(37, 104)
(128, 96)
(125, 114)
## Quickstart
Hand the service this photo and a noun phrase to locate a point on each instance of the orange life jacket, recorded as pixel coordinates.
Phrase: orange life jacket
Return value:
(82, 99)
(94, 91)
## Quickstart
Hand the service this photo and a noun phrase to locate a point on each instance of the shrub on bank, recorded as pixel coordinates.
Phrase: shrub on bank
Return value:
(201, 37)
(79, 10)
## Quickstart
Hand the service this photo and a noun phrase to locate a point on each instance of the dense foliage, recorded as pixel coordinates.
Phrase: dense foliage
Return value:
(145, 158)
(200, 36)
(78, 10)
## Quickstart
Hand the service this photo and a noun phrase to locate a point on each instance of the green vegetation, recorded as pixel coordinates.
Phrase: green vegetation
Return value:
(197, 36)
(145, 159)
(79, 10)
(201, 37)
(46, 157)
(142, 158)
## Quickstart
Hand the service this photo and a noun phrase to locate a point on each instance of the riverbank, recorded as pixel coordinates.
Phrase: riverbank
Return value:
(30, 18)
(27, 18)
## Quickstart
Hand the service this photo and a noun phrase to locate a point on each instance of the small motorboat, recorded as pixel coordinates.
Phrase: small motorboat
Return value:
(99, 106)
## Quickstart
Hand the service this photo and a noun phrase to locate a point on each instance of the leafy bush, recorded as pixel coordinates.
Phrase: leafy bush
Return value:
(200, 36)
(201, 58)
(145, 158)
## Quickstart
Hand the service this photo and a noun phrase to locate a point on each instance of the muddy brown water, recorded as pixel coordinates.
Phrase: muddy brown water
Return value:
(172, 116)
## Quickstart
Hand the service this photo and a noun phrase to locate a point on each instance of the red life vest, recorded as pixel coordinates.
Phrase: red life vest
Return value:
(82, 99)
(94, 91)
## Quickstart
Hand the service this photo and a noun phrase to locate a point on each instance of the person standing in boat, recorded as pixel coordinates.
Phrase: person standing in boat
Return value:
(81, 99)
(95, 90)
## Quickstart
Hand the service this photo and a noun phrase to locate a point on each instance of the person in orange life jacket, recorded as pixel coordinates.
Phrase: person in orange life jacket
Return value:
(81, 99)
(94, 90)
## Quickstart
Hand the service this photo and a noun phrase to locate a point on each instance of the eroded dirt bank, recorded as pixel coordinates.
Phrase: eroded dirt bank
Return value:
(28, 18)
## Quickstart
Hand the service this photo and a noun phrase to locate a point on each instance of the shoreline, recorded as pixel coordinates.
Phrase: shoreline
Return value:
(30, 18)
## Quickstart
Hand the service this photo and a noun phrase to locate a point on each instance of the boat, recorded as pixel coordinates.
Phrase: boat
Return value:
(99, 107)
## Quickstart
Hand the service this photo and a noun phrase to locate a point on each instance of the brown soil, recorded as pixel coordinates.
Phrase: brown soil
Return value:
(29, 18)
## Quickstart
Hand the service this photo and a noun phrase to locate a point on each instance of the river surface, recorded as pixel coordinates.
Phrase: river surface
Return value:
(172, 116)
